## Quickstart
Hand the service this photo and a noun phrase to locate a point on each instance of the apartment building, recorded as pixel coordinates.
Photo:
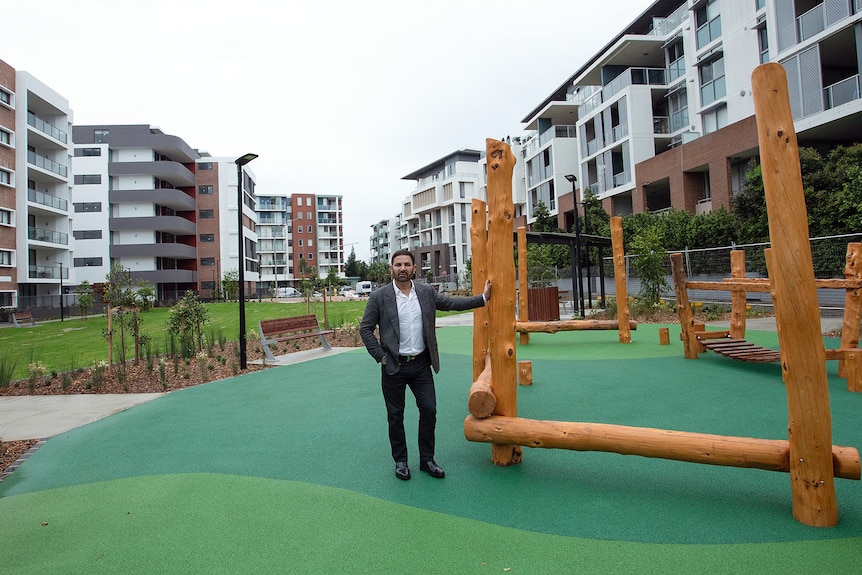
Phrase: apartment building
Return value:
(161, 209)
(660, 119)
(435, 217)
(35, 155)
(384, 235)
(298, 233)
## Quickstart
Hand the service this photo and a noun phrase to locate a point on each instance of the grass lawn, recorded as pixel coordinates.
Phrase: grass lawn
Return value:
(64, 346)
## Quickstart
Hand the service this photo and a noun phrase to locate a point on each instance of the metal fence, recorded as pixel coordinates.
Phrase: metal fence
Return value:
(713, 264)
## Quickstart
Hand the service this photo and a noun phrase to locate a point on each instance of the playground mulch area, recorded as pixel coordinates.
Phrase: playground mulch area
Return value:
(288, 470)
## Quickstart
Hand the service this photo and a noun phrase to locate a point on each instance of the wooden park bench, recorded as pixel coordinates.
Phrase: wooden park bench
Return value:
(19, 318)
(289, 329)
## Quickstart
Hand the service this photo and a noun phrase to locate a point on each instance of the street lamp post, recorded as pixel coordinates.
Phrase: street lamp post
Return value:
(62, 313)
(240, 162)
(573, 179)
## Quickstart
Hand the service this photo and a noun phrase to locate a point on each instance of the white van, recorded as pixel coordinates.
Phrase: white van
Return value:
(287, 292)
(364, 288)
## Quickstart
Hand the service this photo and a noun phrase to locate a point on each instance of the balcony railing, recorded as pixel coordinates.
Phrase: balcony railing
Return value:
(46, 128)
(47, 164)
(47, 200)
(50, 236)
(811, 23)
(841, 92)
(47, 272)
(660, 125)
(634, 76)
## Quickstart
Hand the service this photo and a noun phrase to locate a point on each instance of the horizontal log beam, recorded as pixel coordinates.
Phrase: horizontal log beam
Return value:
(762, 285)
(768, 454)
(570, 325)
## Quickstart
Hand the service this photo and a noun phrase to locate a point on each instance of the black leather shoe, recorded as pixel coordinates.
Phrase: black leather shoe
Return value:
(402, 471)
(432, 469)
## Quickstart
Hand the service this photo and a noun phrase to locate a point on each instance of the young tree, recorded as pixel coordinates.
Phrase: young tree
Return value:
(650, 264)
(230, 284)
(350, 269)
(86, 298)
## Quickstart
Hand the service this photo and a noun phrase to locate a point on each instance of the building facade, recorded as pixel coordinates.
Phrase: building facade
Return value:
(659, 119)
(384, 235)
(35, 184)
(300, 236)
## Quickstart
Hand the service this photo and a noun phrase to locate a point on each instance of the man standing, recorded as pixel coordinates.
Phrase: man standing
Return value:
(404, 312)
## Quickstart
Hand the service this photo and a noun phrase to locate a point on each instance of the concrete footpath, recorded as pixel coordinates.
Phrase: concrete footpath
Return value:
(40, 417)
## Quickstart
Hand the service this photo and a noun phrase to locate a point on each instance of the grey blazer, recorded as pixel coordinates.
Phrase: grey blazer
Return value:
(382, 312)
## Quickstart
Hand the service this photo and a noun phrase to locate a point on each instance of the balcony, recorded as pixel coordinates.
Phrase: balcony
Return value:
(169, 197)
(841, 92)
(171, 224)
(47, 200)
(47, 236)
(46, 128)
(47, 272)
(178, 251)
(46, 164)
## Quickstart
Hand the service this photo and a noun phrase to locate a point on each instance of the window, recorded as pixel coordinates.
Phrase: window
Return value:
(763, 42)
(714, 120)
(91, 151)
(708, 21)
(310, 256)
(308, 215)
(299, 215)
(712, 85)
(5, 137)
(87, 234)
(299, 229)
(207, 262)
(81, 179)
(207, 237)
(5, 258)
(206, 214)
(87, 262)
(5, 177)
(205, 166)
(207, 285)
(87, 207)
(676, 60)
(6, 299)
(5, 97)
(678, 105)
(300, 243)
(205, 189)
(101, 136)
(310, 242)
(5, 217)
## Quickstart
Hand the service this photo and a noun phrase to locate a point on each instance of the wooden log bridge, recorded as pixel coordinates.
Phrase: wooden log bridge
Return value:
(767, 454)
(570, 325)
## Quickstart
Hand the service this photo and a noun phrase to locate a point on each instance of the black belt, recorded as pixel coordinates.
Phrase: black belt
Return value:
(409, 358)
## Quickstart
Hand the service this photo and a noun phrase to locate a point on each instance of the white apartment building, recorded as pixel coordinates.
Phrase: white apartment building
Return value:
(35, 218)
(435, 217)
(662, 116)
(384, 235)
(299, 231)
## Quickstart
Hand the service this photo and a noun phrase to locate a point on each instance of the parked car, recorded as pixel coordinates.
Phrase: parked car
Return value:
(287, 292)
(364, 288)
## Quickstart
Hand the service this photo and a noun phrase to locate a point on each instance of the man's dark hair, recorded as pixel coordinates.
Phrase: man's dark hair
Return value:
(402, 253)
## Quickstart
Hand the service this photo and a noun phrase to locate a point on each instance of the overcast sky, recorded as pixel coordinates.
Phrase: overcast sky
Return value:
(337, 97)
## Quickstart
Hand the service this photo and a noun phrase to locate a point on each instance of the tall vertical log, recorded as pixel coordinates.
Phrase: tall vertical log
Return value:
(620, 279)
(523, 282)
(803, 359)
(501, 271)
(479, 269)
(852, 311)
(737, 298)
(683, 308)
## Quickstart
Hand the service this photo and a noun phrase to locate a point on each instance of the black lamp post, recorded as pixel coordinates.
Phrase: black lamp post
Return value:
(62, 313)
(240, 162)
(573, 179)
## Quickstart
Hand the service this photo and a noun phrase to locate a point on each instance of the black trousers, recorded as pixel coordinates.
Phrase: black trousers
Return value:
(416, 375)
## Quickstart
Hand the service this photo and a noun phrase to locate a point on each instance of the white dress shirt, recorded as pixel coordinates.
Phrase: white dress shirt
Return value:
(412, 340)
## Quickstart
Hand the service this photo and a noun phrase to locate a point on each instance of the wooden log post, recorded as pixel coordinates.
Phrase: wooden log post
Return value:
(620, 278)
(737, 298)
(501, 271)
(482, 401)
(479, 269)
(768, 454)
(690, 345)
(663, 336)
(525, 373)
(523, 283)
(792, 277)
(852, 312)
